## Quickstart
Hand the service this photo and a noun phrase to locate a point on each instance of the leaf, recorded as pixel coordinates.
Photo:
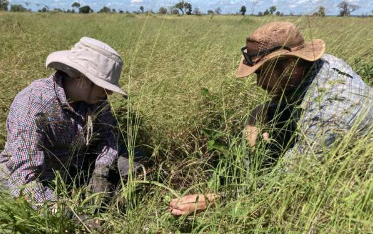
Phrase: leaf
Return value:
(213, 145)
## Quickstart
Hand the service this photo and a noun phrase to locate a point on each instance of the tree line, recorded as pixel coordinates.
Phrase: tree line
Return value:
(182, 7)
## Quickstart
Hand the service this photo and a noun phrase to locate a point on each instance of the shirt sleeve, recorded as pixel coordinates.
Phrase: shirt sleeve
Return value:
(108, 137)
(330, 112)
(26, 123)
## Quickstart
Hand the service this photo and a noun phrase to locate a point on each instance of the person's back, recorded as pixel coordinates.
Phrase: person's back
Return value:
(336, 102)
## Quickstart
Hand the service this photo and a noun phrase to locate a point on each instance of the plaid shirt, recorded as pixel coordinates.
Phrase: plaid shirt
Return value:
(45, 134)
(334, 101)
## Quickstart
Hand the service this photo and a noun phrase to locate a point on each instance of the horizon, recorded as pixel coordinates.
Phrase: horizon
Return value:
(287, 7)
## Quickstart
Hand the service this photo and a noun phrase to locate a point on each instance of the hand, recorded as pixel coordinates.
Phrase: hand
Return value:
(98, 184)
(190, 203)
(251, 135)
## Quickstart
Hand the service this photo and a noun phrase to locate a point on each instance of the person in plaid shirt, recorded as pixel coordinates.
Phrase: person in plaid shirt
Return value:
(64, 123)
(317, 99)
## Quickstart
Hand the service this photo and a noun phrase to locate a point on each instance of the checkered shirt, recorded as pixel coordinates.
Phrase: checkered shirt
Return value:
(45, 134)
(336, 103)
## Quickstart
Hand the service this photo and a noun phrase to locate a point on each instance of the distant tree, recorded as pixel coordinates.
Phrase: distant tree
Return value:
(266, 12)
(243, 10)
(44, 9)
(260, 13)
(278, 13)
(188, 8)
(4, 5)
(85, 10)
(18, 8)
(197, 11)
(121, 11)
(321, 11)
(142, 9)
(218, 11)
(210, 12)
(105, 9)
(75, 5)
(346, 8)
(113, 10)
(363, 15)
(57, 10)
(254, 2)
(174, 11)
(272, 9)
(184, 7)
(162, 11)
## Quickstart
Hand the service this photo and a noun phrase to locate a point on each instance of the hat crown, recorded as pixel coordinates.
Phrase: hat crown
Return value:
(274, 34)
(99, 47)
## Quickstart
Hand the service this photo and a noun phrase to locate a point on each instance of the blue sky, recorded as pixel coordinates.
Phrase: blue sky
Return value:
(227, 6)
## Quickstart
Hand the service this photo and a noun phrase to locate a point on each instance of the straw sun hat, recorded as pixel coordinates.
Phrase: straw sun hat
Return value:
(274, 40)
(94, 59)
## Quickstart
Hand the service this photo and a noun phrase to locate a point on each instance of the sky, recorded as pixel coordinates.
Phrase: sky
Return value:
(227, 6)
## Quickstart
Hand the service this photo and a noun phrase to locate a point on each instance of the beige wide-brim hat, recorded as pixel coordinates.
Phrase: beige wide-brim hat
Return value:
(279, 34)
(92, 58)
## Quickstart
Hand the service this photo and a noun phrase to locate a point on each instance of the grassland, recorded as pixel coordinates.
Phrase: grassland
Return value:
(187, 109)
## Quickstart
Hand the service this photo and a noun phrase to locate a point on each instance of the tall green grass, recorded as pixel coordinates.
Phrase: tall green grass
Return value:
(188, 110)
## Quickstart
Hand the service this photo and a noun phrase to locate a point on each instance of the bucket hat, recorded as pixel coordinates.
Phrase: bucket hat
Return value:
(274, 40)
(94, 59)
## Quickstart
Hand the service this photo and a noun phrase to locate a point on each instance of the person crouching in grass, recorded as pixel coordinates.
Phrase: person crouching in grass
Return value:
(316, 99)
(64, 123)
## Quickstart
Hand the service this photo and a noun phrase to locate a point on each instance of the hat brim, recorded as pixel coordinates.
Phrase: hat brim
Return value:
(311, 51)
(60, 59)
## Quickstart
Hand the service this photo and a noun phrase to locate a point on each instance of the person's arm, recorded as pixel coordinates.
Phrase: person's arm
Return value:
(107, 148)
(26, 124)
(108, 137)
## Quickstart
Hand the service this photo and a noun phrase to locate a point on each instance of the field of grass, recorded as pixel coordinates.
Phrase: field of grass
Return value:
(188, 110)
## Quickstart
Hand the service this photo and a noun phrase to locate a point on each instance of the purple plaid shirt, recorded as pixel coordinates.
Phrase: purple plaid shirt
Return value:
(45, 134)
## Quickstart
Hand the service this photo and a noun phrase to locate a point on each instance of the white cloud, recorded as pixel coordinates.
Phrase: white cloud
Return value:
(136, 1)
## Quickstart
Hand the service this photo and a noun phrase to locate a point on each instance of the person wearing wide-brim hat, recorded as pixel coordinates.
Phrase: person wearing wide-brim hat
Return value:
(64, 123)
(316, 100)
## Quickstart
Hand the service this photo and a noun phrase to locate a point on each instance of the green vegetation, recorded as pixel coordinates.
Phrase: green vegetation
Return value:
(187, 109)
